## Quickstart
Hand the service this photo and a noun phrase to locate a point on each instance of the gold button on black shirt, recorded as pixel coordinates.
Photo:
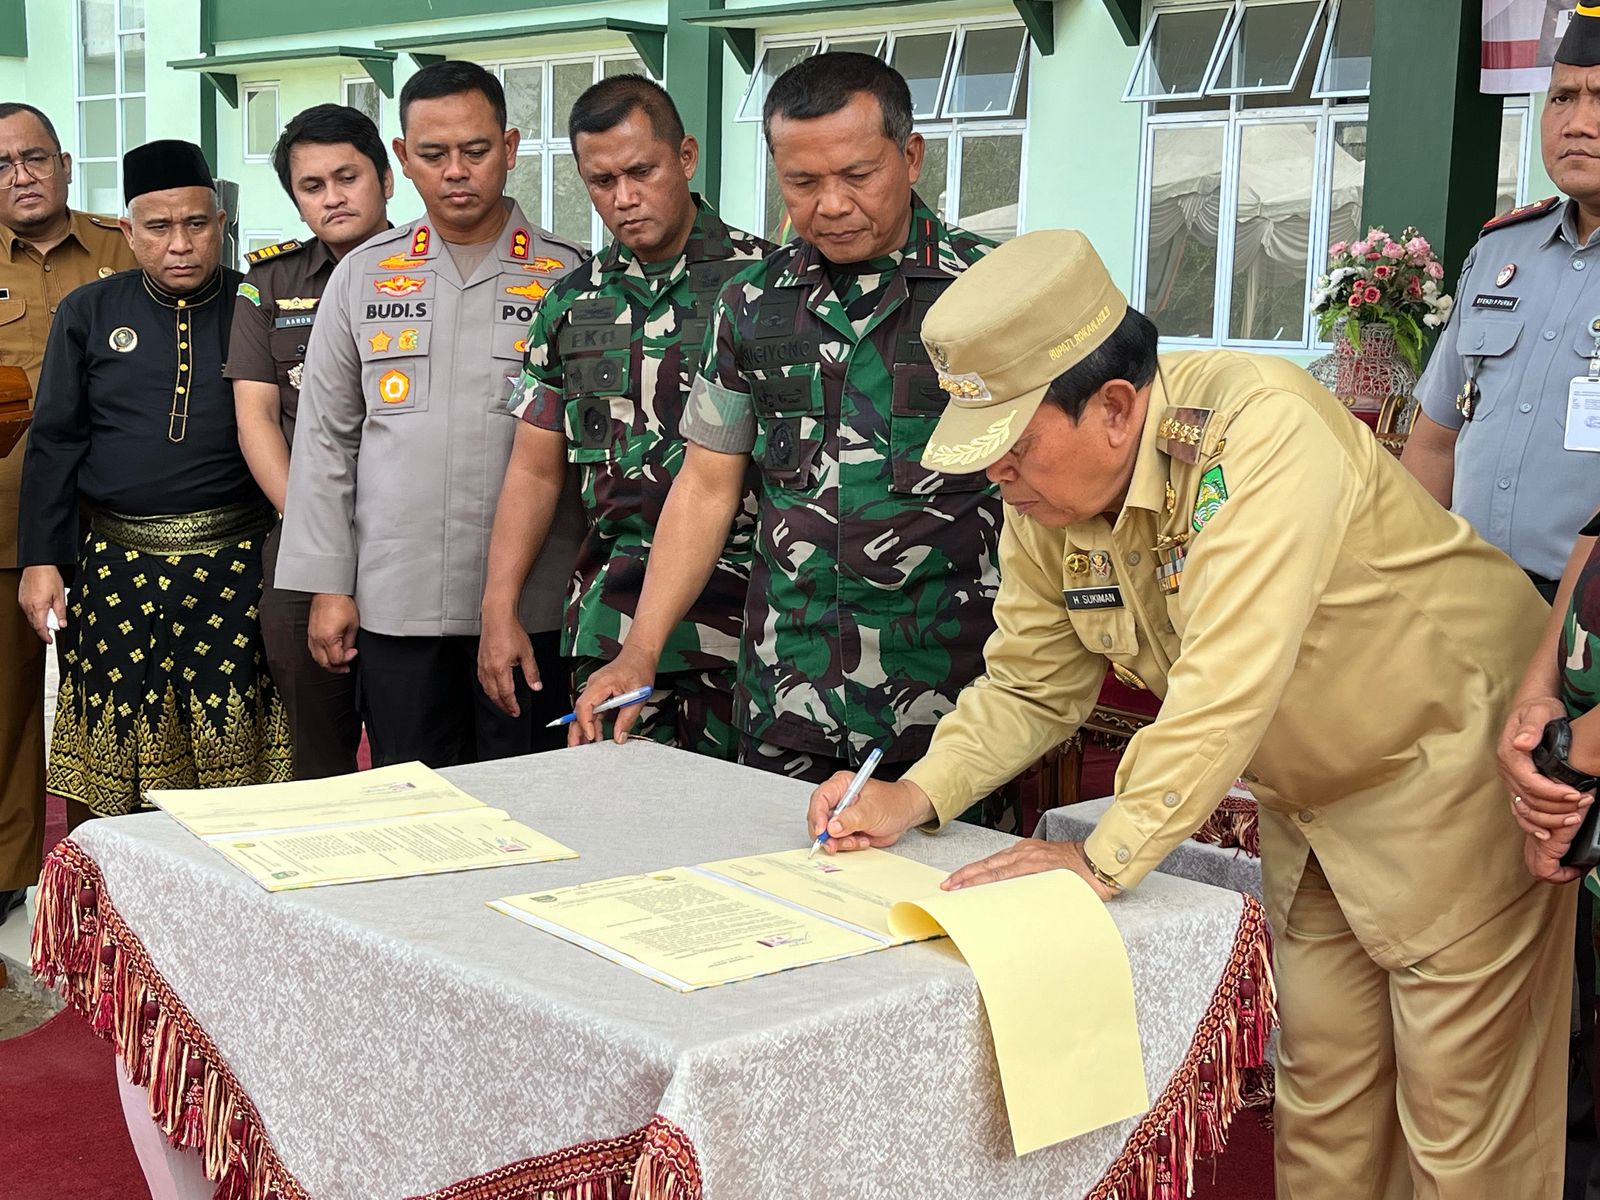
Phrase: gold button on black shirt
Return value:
(133, 414)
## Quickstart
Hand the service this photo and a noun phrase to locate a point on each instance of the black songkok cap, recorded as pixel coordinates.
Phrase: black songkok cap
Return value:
(1580, 45)
(162, 165)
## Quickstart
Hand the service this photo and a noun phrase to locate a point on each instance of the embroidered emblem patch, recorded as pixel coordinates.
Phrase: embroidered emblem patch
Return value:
(967, 453)
(249, 291)
(1208, 501)
(408, 339)
(544, 266)
(529, 290)
(380, 341)
(399, 285)
(400, 262)
(123, 339)
(298, 303)
(394, 387)
(965, 387)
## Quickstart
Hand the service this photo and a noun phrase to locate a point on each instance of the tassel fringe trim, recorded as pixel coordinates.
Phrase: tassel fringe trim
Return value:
(83, 949)
(1236, 822)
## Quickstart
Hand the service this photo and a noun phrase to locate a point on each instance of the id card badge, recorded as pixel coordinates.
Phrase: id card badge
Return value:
(1583, 414)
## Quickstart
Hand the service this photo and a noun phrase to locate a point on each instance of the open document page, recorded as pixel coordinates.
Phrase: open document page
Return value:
(388, 823)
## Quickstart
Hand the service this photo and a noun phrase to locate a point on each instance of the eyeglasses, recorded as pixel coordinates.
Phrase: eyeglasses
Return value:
(40, 166)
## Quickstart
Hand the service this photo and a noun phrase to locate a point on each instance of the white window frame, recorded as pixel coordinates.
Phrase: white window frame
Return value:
(1213, 85)
(953, 66)
(552, 140)
(1129, 93)
(957, 129)
(254, 239)
(1525, 149)
(1318, 92)
(119, 97)
(347, 81)
(256, 88)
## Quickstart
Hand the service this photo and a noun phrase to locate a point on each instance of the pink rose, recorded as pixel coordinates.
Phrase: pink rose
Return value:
(1435, 270)
(1392, 250)
(1375, 234)
(1359, 249)
(1337, 249)
(1356, 298)
(1383, 272)
(1372, 294)
(1418, 247)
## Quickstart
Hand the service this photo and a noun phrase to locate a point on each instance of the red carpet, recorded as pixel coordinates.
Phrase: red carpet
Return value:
(62, 1135)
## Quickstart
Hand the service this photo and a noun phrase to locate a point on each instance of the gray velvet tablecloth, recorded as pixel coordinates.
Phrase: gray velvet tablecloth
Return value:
(398, 1037)
(1220, 866)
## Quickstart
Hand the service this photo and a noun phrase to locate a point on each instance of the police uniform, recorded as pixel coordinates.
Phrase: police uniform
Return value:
(873, 576)
(611, 353)
(32, 286)
(1526, 323)
(1314, 621)
(272, 320)
(163, 675)
(401, 445)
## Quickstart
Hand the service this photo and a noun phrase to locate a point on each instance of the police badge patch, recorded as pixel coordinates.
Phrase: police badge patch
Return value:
(1208, 501)
(123, 339)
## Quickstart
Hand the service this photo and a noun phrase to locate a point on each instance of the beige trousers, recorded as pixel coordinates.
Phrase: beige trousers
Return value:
(1445, 1080)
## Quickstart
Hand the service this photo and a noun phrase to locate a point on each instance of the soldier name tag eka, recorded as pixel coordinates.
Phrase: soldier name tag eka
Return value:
(1583, 414)
(1081, 599)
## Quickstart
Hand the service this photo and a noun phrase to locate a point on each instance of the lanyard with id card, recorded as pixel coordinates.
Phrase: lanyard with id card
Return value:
(1583, 406)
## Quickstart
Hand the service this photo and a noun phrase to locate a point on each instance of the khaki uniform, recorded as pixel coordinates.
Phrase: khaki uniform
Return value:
(31, 288)
(1313, 620)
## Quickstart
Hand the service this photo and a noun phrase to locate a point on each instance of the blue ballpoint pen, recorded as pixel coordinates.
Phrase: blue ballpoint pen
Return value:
(622, 701)
(849, 797)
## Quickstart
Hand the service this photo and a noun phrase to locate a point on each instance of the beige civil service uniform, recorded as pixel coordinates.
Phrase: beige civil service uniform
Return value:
(32, 285)
(1351, 648)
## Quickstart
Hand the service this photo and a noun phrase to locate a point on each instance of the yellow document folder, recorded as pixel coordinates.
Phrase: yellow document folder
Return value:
(388, 823)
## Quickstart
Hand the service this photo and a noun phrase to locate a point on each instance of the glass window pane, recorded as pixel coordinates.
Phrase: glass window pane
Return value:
(1348, 181)
(524, 186)
(775, 60)
(623, 66)
(133, 122)
(573, 215)
(986, 73)
(1265, 46)
(260, 121)
(130, 15)
(255, 241)
(568, 82)
(991, 178)
(773, 214)
(1512, 123)
(1177, 53)
(1271, 231)
(524, 101)
(99, 137)
(933, 185)
(362, 95)
(1180, 277)
(98, 64)
(1349, 62)
(869, 45)
(102, 190)
(920, 57)
(133, 62)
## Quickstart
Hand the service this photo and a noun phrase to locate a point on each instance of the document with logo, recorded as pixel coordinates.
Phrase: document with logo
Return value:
(387, 823)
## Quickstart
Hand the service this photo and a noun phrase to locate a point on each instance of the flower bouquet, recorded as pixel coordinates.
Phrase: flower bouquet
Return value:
(1380, 282)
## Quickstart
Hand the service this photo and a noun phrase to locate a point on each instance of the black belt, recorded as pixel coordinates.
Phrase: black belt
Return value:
(1547, 587)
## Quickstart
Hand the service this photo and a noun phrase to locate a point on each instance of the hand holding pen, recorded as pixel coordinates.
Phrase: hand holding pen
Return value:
(850, 793)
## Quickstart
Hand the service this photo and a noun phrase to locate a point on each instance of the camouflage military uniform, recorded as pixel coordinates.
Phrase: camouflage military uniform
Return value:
(871, 591)
(611, 352)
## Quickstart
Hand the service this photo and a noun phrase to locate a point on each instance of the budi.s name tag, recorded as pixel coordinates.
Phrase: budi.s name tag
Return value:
(1081, 599)
(1583, 414)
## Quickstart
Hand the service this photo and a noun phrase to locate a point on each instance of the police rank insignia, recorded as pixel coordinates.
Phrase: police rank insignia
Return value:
(123, 339)
(296, 374)
(519, 244)
(1208, 501)
(1507, 274)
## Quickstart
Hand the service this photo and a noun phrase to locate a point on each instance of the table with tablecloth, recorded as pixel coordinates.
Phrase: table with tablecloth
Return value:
(400, 1039)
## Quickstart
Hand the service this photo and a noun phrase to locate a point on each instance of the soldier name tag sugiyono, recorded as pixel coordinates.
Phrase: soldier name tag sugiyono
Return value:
(1080, 599)
(1583, 414)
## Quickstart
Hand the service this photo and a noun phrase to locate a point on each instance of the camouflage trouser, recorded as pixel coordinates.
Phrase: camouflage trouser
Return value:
(692, 710)
(998, 810)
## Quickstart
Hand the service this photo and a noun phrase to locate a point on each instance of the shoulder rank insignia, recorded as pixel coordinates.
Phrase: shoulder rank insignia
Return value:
(420, 241)
(519, 243)
(1526, 213)
(267, 252)
(1180, 432)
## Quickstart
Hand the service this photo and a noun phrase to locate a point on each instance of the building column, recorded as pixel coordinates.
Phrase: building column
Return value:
(694, 78)
(1433, 140)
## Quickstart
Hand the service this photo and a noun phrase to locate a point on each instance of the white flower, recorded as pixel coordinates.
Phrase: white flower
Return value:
(1433, 320)
(1429, 287)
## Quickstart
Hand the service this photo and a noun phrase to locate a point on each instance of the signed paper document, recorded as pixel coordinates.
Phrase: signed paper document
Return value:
(387, 823)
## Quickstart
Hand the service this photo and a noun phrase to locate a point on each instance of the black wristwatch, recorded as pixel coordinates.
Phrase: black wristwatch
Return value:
(1550, 757)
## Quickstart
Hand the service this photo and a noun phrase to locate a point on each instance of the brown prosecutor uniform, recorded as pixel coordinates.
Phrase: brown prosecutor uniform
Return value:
(31, 286)
(1323, 623)
(271, 329)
